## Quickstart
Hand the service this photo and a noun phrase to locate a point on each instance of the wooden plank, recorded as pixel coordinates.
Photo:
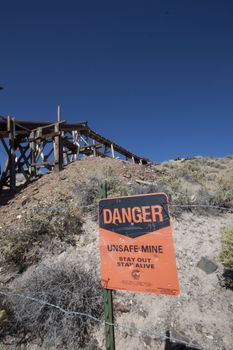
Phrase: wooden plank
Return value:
(11, 131)
(58, 149)
(117, 148)
(32, 146)
(112, 150)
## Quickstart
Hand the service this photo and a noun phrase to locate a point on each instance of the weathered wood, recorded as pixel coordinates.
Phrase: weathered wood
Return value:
(59, 140)
(112, 150)
(32, 145)
(89, 147)
(58, 113)
(58, 149)
(94, 148)
(11, 131)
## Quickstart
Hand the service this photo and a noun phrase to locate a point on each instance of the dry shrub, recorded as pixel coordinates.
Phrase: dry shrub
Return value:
(203, 200)
(44, 229)
(226, 255)
(180, 199)
(115, 187)
(4, 316)
(192, 171)
(223, 195)
(87, 192)
(172, 187)
(64, 284)
(86, 195)
(204, 197)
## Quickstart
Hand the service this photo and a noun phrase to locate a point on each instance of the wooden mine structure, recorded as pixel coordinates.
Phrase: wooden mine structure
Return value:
(31, 146)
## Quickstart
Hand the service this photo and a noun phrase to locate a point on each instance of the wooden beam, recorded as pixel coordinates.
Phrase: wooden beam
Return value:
(32, 146)
(112, 150)
(11, 132)
(94, 148)
(58, 148)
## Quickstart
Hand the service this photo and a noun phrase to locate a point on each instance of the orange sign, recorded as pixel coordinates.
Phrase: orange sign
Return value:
(136, 245)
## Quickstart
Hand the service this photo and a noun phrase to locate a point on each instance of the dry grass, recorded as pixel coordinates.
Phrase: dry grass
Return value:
(43, 230)
(223, 194)
(226, 255)
(190, 182)
(65, 284)
(170, 185)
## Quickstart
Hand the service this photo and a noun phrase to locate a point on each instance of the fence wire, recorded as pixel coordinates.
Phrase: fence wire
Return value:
(170, 205)
(188, 206)
(133, 332)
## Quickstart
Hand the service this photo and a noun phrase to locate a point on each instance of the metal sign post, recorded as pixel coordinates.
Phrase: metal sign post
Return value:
(108, 304)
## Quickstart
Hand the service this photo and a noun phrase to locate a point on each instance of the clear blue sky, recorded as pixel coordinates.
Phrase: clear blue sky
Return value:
(154, 76)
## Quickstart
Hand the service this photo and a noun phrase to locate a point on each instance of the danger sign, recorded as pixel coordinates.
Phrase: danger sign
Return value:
(136, 245)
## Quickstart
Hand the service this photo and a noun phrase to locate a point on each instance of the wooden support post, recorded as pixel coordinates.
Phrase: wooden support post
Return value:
(109, 327)
(33, 153)
(38, 132)
(77, 143)
(73, 157)
(11, 132)
(112, 150)
(58, 148)
(58, 113)
(94, 149)
(64, 152)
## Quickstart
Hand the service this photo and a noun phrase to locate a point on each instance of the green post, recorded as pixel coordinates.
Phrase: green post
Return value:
(108, 305)
(109, 327)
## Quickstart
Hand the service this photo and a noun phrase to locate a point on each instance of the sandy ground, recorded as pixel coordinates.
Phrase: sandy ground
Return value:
(203, 313)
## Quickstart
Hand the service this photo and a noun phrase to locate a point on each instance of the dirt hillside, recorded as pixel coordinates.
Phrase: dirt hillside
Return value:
(49, 231)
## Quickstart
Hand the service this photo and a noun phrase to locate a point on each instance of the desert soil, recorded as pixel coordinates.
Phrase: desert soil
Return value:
(202, 314)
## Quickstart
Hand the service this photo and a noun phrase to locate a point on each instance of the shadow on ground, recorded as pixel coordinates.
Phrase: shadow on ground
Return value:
(171, 345)
(226, 279)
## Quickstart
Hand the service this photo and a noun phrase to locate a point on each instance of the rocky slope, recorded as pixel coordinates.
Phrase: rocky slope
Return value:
(31, 234)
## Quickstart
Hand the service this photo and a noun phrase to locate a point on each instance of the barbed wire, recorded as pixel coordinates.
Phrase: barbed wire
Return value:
(207, 206)
(132, 331)
(140, 332)
(188, 206)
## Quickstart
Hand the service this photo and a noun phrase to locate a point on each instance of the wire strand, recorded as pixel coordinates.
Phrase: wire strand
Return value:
(203, 206)
(140, 332)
